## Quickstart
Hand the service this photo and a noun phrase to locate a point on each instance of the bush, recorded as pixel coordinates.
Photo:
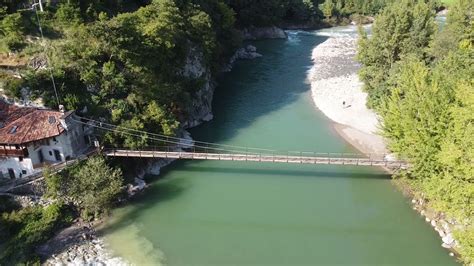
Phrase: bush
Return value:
(12, 27)
(11, 85)
(30, 227)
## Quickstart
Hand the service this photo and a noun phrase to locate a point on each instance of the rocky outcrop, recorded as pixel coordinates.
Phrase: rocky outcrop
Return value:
(257, 33)
(200, 109)
(248, 52)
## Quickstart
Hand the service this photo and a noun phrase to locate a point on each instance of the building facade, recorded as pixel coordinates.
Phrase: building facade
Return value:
(31, 138)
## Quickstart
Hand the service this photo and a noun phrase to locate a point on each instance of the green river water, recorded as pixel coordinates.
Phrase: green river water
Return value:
(236, 213)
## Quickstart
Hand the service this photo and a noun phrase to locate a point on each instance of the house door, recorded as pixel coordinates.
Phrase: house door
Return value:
(11, 173)
(40, 156)
(57, 155)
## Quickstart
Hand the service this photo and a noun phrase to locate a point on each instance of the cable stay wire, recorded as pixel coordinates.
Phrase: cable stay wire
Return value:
(161, 139)
(181, 139)
(187, 143)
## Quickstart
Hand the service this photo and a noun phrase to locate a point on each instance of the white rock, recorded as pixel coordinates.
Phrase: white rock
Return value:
(444, 245)
(251, 48)
(140, 183)
(427, 219)
(78, 261)
(448, 239)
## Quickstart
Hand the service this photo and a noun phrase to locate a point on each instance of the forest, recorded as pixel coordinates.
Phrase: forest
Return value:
(421, 82)
(122, 61)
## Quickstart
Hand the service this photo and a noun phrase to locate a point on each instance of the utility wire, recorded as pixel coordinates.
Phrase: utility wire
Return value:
(46, 54)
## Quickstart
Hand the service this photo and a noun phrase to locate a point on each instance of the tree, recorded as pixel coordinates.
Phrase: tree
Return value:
(92, 185)
(403, 28)
(459, 26)
(328, 9)
(12, 28)
(68, 14)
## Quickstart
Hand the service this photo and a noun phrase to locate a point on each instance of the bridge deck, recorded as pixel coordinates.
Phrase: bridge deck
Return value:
(256, 158)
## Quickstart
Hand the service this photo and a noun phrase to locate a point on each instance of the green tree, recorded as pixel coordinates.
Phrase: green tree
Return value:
(328, 8)
(12, 28)
(92, 185)
(96, 185)
(403, 28)
(459, 26)
(28, 228)
(68, 14)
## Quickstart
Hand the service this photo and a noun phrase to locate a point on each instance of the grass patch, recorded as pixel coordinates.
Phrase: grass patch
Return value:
(448, 2)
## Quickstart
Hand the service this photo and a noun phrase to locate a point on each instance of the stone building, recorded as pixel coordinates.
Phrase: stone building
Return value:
(31, 138)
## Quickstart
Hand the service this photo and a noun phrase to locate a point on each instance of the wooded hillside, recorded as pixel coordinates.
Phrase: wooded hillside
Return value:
(421, 81)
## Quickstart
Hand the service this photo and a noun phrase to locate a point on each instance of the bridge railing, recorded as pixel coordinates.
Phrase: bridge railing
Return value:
(250, 151)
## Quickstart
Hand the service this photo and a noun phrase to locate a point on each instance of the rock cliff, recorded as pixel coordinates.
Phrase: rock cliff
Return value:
(200, 109)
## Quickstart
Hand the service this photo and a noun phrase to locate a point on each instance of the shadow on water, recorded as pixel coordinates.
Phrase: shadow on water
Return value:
(288, 172)
(163, 190)
(267, 84)
(155, 194)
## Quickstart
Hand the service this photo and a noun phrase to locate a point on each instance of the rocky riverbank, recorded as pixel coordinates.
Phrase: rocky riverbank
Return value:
(337, 92)
(78, 245)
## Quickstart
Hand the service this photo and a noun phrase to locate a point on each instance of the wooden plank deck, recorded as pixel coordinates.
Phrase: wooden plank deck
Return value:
(256, 158)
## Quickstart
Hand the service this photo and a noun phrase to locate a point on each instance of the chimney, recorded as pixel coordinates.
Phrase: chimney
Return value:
(61, 108)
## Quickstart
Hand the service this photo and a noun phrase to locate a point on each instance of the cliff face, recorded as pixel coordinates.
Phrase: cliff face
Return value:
(200, 109)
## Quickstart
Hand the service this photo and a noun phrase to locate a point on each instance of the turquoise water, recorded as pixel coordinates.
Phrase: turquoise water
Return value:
(237, 213)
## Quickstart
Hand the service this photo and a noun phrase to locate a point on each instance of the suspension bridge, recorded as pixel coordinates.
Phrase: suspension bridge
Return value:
(185, 148)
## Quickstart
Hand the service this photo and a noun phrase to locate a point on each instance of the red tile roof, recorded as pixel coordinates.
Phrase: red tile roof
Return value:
(19, 125)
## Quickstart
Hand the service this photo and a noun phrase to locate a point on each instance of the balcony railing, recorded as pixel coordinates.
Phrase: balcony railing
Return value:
(13, 152)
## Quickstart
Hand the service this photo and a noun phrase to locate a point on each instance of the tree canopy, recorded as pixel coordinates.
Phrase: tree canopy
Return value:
(421, 81)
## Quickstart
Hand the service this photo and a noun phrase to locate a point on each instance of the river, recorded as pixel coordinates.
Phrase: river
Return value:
(236, 213)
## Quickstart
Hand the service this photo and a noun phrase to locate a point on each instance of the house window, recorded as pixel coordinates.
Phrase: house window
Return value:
(20, 158)
(17, 147)
(54, 138)
(50, 153)
(23, 172)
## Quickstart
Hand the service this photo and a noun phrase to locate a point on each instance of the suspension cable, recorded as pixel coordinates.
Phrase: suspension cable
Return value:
(180, 139)
(163, 139)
